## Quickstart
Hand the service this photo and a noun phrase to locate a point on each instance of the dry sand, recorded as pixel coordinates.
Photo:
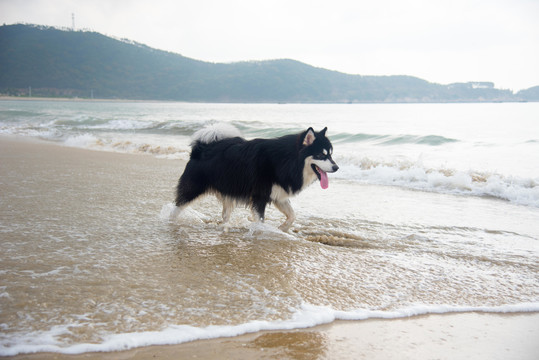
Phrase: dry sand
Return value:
(450, 336)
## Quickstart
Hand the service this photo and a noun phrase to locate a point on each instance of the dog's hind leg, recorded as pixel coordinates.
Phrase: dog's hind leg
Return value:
(176, 212)
(286, 208)
(228, 207)
(253, 215)
(186, 192)
(259, 209)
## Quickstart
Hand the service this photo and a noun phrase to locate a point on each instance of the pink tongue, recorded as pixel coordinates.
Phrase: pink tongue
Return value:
(324, 182)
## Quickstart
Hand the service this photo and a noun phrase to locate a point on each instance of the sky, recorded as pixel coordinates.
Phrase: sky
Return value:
(439, 41)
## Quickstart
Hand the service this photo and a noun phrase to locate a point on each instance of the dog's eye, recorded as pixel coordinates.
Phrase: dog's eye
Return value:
(325, 152)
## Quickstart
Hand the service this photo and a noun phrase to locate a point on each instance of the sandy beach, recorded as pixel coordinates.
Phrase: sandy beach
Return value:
(448, 336)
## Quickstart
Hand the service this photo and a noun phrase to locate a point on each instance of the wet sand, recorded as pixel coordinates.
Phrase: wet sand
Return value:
(449, 336)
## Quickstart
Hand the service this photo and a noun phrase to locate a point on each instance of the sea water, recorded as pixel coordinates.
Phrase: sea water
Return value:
(434, 209)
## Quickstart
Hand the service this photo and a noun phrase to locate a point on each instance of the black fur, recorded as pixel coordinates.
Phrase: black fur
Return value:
(246, 171)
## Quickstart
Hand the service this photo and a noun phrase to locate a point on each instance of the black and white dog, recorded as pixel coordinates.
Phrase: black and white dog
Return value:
(255, 172)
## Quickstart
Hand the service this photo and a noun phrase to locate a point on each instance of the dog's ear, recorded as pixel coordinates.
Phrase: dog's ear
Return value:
(323, 132)
(309, 137)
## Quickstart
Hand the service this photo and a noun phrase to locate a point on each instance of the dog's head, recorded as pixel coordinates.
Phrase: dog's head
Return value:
(317, 150)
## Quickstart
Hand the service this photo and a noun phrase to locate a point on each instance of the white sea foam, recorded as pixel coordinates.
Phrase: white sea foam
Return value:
(305, 317)
(261, 230)
(522, 191)
(83, 141)
(161, 148)
(121, 124)
(187, 216)
(167, 211)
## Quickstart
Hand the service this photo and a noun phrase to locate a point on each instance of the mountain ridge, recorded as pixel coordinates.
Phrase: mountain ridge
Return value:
(63, 63)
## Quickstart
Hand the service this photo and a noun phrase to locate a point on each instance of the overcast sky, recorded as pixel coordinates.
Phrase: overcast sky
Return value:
(439, 41)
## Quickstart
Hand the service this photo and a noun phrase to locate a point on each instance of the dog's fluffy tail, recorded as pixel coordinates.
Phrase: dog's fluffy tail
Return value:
(214, 132)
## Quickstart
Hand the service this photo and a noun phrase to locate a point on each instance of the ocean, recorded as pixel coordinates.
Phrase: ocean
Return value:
(434, 209)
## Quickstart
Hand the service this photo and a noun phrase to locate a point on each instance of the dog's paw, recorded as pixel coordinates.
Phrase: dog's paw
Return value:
(224, 227)
(284, 227)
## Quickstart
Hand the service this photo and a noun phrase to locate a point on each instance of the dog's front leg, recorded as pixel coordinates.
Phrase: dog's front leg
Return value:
(286, 208)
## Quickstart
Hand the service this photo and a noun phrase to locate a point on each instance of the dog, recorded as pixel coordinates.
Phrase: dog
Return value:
(254, 172)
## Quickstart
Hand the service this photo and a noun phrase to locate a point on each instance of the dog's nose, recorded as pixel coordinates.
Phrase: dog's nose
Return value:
(335, 167)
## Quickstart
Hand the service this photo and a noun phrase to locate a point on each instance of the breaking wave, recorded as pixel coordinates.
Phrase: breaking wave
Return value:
(432, 140)
(165, 130)
(522, 191)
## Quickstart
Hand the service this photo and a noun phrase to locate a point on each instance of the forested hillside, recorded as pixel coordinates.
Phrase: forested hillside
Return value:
(53, 62)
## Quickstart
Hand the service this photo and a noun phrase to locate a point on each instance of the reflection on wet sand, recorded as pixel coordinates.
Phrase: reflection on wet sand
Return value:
(306, 345)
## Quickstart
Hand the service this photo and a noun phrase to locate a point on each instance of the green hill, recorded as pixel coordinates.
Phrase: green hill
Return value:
(62, 63)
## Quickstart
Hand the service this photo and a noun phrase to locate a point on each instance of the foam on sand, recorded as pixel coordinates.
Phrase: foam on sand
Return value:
(305, 317)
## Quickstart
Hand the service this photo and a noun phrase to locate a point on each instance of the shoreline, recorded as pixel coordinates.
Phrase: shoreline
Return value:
(60, 99)
(37, 98)
(441, 336)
